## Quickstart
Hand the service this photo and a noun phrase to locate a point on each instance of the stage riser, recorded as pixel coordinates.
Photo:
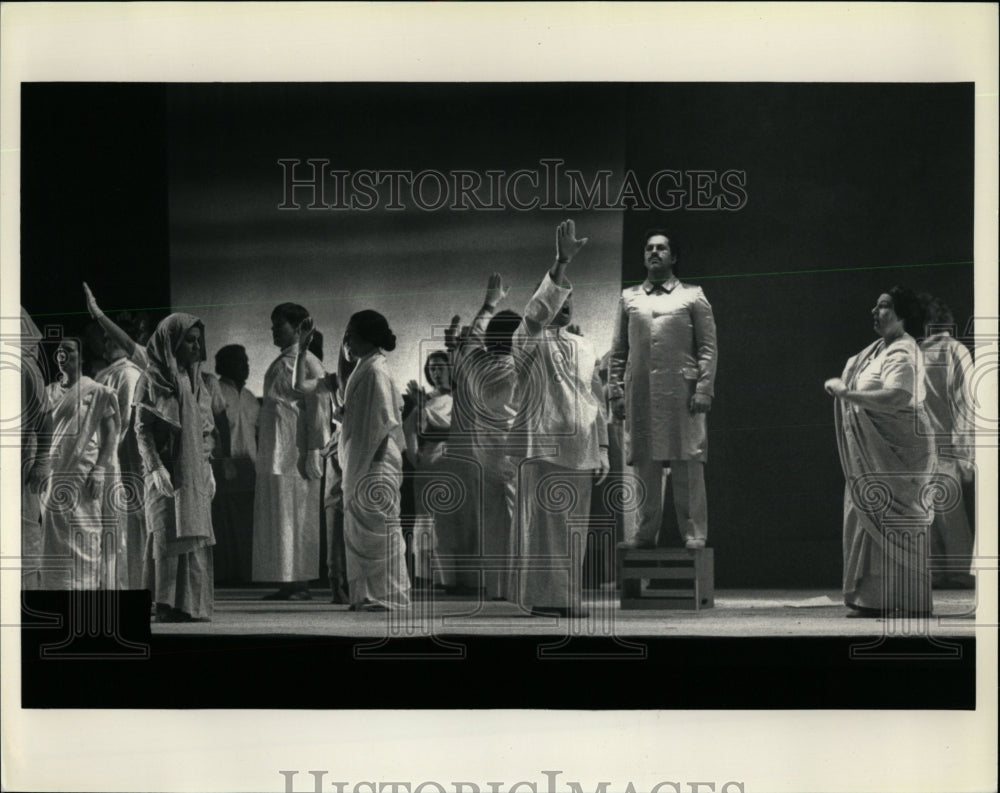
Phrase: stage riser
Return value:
(688, 573)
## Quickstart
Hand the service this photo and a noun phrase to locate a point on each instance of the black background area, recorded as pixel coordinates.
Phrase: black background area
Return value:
(863, 186)
(315, 672)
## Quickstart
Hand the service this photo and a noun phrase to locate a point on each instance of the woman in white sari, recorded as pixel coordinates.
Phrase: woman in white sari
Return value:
(78, 552)
(426, 430)
(287, 498)
(371, 443)
(174, 427)
(886, 451)
(35, 428)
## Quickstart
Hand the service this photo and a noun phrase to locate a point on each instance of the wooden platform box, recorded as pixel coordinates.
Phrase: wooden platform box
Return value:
(667, 578)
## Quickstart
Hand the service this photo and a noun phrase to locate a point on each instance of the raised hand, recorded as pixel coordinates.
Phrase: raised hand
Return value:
(451, 333)
(416, 393)
(92, 306)
(496, 291)
(567, 245)
(304, 333)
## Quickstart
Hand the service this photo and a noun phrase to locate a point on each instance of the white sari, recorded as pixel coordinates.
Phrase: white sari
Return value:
(376, 566)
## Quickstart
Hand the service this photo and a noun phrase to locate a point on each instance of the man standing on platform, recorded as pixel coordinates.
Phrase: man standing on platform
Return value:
(662, 377)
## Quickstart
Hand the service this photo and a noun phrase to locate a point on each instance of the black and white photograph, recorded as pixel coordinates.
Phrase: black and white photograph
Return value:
(391, 419)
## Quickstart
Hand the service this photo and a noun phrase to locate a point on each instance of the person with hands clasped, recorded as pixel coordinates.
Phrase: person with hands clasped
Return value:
(563, 434)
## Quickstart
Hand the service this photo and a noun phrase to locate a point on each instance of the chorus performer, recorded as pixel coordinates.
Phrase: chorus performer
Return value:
(370, 454)
(174, 429)
(886, 451)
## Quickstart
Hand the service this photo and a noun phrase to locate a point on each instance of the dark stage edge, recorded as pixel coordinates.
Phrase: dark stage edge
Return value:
(138, 669)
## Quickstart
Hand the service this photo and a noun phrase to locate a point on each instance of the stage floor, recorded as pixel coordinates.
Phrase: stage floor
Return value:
(737, 613)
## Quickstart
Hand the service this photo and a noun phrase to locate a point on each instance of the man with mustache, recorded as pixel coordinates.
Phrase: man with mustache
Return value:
(662, 376)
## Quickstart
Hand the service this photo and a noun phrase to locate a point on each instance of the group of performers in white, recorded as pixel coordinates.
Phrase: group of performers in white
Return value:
(506, 445)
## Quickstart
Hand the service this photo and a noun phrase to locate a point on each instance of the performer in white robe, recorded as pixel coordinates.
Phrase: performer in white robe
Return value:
(888, 459)
(371, 443)
(484, 378)
(564, 433)
(328, 395)
(174, 428)
(130, 337)
(79, 533)
(426, 430)
(122, 376)
(36, 427)
(948, 367)
(292, 435)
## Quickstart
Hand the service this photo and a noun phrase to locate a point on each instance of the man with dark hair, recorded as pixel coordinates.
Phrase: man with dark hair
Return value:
(662, 378)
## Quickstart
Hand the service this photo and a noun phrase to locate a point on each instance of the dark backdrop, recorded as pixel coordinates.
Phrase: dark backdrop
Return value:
(851, 189)
(93, 199)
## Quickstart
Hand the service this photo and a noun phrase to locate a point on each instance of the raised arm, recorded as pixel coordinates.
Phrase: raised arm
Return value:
(411, 424)
(567, 246)
(345, 367)
(119, 336)
(307, 373)
(496, 291)
(554, 289)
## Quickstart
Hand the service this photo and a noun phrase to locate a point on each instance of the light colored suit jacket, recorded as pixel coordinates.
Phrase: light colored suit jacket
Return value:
(664, 350)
